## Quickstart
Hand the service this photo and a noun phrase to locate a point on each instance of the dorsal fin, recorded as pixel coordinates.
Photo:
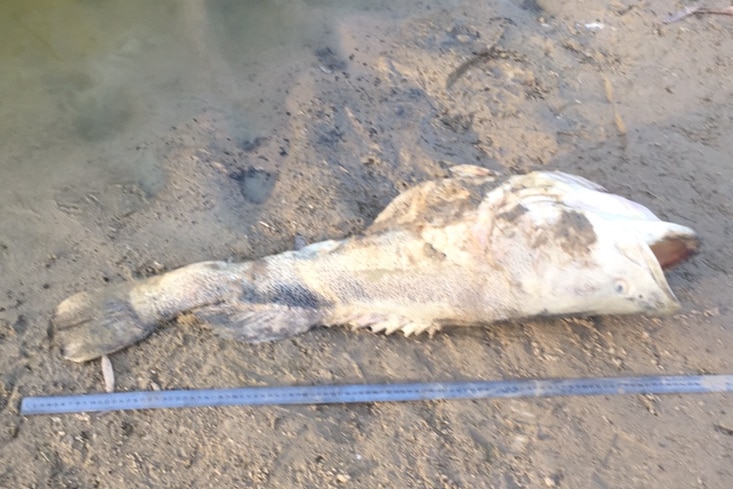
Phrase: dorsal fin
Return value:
(436, 202)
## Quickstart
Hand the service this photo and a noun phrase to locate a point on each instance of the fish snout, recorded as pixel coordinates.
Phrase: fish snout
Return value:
(661, 303)
(657, 298)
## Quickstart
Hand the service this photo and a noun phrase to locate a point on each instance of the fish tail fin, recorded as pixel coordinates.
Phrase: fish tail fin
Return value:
(88, 325)
(255, 323)
(251, 301)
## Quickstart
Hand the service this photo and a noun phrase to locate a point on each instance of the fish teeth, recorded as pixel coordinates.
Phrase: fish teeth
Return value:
(434, 328)
(414, 328)
(389, 324)
(409, 329)
(393, 324)
(371, 321)
(377, 327)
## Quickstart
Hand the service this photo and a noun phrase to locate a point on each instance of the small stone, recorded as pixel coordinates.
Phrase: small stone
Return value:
(711, 313)
(343, 478)
(299, 242)
(519, 444)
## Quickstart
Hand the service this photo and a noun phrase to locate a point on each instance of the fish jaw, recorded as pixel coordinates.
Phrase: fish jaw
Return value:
(619, 275)
(642, 250)
(670, 243)
(658, 246)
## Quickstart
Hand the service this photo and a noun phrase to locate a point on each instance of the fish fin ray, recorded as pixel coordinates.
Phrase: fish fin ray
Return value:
(317, 249)
(390, 323)
(435, 202)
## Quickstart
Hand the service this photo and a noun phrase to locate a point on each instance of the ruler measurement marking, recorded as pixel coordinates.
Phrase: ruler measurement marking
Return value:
(352, 393)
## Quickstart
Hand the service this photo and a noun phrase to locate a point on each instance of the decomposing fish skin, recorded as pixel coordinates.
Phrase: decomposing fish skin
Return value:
(468, 250)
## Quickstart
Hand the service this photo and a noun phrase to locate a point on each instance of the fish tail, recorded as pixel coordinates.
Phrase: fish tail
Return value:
(88, 325)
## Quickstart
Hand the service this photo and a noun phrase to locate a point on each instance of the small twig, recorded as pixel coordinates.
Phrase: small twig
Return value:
(487, 52)
(463, 68)
(716, 11)
(697, 10)
(108, 373)
(685, 12)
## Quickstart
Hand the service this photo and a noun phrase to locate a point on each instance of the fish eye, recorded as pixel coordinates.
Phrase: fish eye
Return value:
(620, 286)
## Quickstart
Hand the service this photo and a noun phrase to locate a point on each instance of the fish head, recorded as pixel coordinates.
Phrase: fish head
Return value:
(619, 275)
(607, 254)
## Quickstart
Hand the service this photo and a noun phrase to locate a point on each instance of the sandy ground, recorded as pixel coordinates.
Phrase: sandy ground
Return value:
(383, 100)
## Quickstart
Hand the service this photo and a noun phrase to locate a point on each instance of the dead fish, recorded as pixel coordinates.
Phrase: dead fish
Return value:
(467, 250)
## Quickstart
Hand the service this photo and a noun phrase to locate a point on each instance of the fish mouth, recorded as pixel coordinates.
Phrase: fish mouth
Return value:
(670, 243)
(659, 246)
(672, 250)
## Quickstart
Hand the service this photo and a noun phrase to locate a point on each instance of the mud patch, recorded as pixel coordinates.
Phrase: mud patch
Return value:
(575, 233)
(329, 60)
(255, 184)
(109, 202)
(513, 214)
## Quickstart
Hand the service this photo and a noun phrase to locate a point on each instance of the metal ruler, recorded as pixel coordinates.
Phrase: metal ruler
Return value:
(339, 394)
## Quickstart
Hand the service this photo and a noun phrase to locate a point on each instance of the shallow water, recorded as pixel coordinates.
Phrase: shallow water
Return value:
(87, 84)
(80, 77)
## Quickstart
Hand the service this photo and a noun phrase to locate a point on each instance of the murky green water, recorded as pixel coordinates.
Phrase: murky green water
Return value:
(85, 83)
(80, 77)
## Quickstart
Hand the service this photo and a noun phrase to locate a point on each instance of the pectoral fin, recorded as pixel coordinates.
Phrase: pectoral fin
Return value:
(255, 323)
